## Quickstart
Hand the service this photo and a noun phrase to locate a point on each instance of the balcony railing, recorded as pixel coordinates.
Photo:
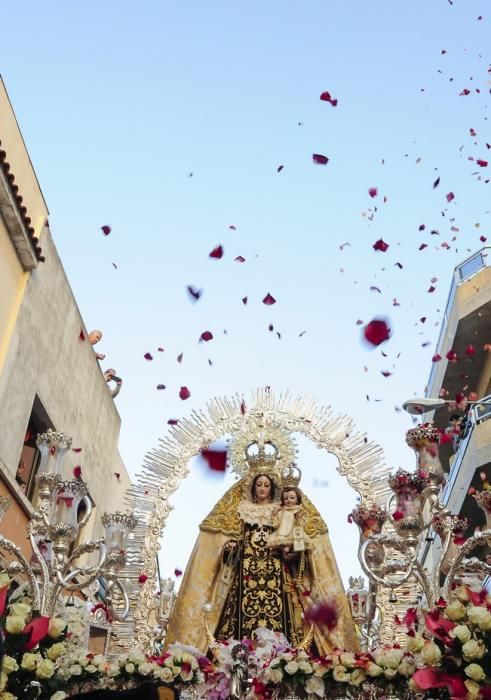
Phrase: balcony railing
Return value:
(462, 273)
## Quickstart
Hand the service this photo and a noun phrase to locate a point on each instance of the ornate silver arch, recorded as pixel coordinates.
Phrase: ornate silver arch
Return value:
(360, 461)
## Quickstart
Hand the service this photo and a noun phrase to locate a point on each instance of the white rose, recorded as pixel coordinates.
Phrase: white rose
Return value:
(176, 670)
(392, 658)
(30, 661)
(90, 668)
(473, 650)
(455, 610)
(9, 664)
(59, 695)
(462, 633)
(315, 686)
(378, 656)
(136, 657)
(415, 643)
(14, 624)
(340, 674)
(462, 593)
(83, 660)
(479, 616)
(320, 670)
(163, 674)
(145, 669)
(374, 670)
(430, 654)
(55, 651)
(407, 667)
(75, 670)
(20, 609)
(347, 660)
(390, 673)
(187, 675)
(475, 672)
(129, 667)
(304, 666)
(275, 675)
(287, 656)
(56, 627)
(8, 696)
(45, 669)
(473, 689)
(4, 579)
(358, 676)
(99, 659)
(291, 667)
(112, 670)
(3, 681)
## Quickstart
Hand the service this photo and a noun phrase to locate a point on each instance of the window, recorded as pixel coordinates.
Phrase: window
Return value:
(39, 422)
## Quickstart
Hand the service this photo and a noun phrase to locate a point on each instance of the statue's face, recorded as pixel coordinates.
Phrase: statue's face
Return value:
(263, 489)
(289, 498)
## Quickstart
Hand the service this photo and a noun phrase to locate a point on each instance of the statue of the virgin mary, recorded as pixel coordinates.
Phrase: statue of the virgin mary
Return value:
(245, 583)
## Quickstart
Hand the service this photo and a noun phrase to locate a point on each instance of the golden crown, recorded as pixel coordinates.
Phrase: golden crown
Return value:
(290, 476)
(262, 456)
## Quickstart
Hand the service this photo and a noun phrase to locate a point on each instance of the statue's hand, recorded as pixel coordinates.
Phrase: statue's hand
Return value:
(228, 546)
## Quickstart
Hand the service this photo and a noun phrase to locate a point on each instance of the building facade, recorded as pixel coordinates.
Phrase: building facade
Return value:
(464, 346)
(49, 374)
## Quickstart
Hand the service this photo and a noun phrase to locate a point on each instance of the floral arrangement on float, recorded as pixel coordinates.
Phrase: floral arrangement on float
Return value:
(369, 518)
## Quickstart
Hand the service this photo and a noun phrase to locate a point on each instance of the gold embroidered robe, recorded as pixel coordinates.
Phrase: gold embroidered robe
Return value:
(204, 580)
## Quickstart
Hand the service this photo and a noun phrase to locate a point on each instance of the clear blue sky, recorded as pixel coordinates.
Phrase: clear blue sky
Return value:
(119, 102)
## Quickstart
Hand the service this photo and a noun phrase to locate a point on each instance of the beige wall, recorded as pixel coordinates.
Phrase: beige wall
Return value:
(20, 163)
(12, 284)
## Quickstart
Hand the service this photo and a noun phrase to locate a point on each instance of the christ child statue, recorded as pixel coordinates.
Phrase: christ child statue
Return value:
(289, 535)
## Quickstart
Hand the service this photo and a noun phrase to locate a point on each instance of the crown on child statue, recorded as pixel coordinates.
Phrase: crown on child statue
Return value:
(290, 476)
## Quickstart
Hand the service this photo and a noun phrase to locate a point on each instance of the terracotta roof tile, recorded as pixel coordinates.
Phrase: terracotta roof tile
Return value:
(10, 177)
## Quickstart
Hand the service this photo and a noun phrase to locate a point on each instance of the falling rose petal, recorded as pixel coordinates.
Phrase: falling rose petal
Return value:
(376, 332)
(464, 92)
(216, 459)
(232, 227)
(194, 293)
(319, 159)
(483, 239)
(117, 475)
(450, 196)
(431, 289)
(322, 614)
(106, 230)
(436, 183)
(243, 408)
(148, 356)
(179, 357)
(244, 300)
(325, 96)
(398, 264)
(470, 350)
(76, 449)
(172, 421)
(269, 300)
(270, 327)
(436, 358)
(423, 246)
(279, 168)
(452, 356)
(385, 374)
(177, 573)
(334, 102)
(217, 252)
(81, 335)
(373, 192)
(380, 245)
(359, 322)
(114, 265)
(482, 163)
(239, 258)
(375, 289)
(421, 227)
(184, 393)
(35, 631)
(142, 578)
(160, 387)
(206, 336)
(77, 472)
(160, 349)
(422, 319)
(300, 335)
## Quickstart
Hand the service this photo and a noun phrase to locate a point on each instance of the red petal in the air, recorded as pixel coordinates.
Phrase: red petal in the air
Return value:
(194, 293)
(3, 598)
(243, 408)
(325, 96)
(279, 168)
(77, 472)
(244, 300)
(216, 252)
(436, 358)
(239, 258)
(184, 393)
(431, 289)
(450, 196)
(117, 475)
(436, 183)
(322, 614)
(160, 386)
(106, 230)
(373, 192)
(81, 335)
(76, 449)
(380, 245)
(482, 163)
(470, 350)
(177, 573)
(385, 374)
(483, 239)
(423, 246)
(148, 356)
(376, 332)
(232, 227)
(269, 300)
(179, 357)
(142, 578)
(319, 159)
(172, 421)
(206, 336)
(216, 459)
